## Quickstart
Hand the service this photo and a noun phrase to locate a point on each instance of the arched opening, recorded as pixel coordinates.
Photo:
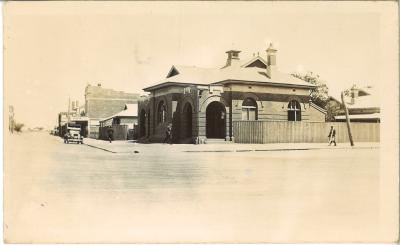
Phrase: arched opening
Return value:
(215, 120)
(294, 111)
(187, 121)
(161, 112)
(142, 123)
(249, 109)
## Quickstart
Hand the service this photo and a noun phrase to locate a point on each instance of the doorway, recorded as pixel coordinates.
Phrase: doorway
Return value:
(215, 120)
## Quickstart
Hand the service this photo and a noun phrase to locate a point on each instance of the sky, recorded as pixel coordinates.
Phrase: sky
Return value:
(52, 50)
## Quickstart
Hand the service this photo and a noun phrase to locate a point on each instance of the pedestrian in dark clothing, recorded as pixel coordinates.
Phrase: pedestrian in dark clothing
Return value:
(110, 135)
(332, 136)
(66, 137)
(168, 135)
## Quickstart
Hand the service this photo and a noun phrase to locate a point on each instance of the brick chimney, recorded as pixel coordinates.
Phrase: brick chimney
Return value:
(271, 60)
(354, 94)
(233, 58)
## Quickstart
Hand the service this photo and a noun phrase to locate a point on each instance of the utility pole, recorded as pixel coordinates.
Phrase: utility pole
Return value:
(11, 118)
(69, 108)
(347, 120)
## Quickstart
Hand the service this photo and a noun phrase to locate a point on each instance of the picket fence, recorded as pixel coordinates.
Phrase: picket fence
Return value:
(263, 132)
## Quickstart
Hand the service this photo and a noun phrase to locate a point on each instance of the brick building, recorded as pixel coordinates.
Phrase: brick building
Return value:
(202, 103)
(101, 103)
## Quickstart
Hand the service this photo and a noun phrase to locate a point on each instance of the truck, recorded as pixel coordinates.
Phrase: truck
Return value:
(73, 135)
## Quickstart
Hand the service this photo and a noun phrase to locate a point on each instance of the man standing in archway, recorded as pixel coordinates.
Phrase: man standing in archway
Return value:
(168, 134)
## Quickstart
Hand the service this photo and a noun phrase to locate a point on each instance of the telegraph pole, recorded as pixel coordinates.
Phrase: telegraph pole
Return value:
(11, 118)
(69, 108)
(347, 120)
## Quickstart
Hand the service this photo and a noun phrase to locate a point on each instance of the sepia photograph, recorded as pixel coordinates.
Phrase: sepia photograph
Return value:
(200, 122)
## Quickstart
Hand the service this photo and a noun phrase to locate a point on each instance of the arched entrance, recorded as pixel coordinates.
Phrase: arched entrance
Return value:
(215, 120)
(142, 124)
(187, 121)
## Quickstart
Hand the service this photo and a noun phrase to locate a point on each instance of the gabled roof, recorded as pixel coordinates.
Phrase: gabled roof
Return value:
(368, 97)
(191, 75)
(255, 61)
(370, 101)
(130, 110)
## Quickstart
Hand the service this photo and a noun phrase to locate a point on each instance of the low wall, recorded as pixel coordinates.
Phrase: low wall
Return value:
(120, 132)
(263, 132)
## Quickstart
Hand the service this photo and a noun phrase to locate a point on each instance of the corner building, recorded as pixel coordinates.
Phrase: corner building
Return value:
(202, 103)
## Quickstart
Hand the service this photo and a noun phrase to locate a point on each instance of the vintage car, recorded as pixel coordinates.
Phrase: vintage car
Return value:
(74, 135)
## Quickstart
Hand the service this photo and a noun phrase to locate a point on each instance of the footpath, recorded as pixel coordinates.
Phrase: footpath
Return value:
(133, 147)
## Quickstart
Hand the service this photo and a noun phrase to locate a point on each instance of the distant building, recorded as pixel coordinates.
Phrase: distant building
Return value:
(202, 103)
(62, 120)
(101, 103)
(363, 104)
(74, 117)
(123, 124)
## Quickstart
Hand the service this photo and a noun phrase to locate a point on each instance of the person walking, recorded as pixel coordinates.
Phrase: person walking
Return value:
(110, 135)
(66, 136)
(332, 136)
(168, 134)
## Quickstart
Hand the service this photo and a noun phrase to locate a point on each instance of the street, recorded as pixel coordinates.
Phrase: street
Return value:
(56, 192)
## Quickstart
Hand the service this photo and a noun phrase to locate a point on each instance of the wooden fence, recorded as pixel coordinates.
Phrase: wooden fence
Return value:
(263, 132)
(120, 132)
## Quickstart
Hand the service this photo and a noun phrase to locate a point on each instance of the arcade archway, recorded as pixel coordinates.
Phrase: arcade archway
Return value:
(215, 120)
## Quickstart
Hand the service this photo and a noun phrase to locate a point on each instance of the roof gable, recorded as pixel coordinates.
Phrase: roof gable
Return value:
(362, 92)
(172, 72)
(256, 62)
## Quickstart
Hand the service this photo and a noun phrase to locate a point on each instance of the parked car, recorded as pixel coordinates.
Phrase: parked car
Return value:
(74, 136)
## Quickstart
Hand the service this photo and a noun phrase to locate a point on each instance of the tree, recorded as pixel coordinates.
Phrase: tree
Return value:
(18, 127)
(319, 95)
(347, 92)
(333, 108)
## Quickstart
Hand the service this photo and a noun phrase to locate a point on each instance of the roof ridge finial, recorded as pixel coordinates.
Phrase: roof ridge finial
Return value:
(271, 46)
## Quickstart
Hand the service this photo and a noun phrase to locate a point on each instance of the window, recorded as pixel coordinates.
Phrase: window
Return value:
(162, 112)
(249, 109)
(294, 111)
